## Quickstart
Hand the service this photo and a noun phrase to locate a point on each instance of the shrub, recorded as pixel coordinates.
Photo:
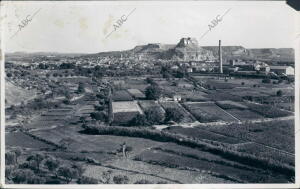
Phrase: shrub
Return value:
(162, 182)
(120, 179)
(87, 180)
(101, 116)
(81, 88)
(143, 181)
(36, 180)
(22, 176)
(106, 176)
(52, 181)
(266, 80)
(279, 93)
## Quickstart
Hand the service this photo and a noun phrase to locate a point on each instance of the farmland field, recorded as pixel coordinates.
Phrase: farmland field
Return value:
(121, 95)
(24, 141)
(268, 110)
(203, 134)
(177, 161)
(187, 116)
(137, 94)
(126, 106)
(277, 134)
(79, 142)
(244, 115)
(148, 104)
(208, 112)
(262, 151)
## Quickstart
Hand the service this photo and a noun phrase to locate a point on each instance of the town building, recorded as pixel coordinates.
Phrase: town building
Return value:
(283, 70)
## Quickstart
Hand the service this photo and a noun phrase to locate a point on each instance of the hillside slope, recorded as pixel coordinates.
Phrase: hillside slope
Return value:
(14, 95)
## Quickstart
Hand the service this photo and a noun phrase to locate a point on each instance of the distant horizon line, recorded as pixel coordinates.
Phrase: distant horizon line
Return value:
(32, 52)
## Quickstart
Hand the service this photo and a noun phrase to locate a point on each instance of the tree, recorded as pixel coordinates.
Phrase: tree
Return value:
(51, 163)
(154, 115)
(279, 93)
(100, 116)
(81, 88)
(153, 92)
(138, 120)
(120, 179)
(68, 173)
(10, 158)
(173, 114)
(18, 152)
(149, 80)
(36, 159)
(106, 176)
(22, 176)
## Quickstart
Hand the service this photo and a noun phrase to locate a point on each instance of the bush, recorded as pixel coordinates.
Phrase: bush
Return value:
(279, 93)
(36, 180)
(87, 180)
(266, 80)
(143, 181)
(162, 182)
(120, 179)
(100, 116)
(22, 176)
(81, 88)
(52, 181)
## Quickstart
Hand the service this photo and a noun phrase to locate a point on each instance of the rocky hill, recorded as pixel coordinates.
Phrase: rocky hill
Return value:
(189, 49)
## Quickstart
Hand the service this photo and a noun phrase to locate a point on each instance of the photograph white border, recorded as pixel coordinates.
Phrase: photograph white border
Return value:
(181, 186)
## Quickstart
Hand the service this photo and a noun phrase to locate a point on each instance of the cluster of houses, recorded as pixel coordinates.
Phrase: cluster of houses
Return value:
(235, 66)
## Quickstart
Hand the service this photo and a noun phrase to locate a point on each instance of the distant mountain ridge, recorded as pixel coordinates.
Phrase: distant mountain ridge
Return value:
(189, 49)
(186, 49)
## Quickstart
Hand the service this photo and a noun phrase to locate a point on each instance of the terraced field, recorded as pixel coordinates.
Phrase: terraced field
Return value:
(208, 112)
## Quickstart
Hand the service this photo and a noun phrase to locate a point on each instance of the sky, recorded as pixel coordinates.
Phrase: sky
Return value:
(83, 27)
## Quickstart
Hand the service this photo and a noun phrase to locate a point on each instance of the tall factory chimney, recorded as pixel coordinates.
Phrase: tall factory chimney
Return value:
(220, 57)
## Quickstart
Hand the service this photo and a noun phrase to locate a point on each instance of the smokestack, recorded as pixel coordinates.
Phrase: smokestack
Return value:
(220, 57)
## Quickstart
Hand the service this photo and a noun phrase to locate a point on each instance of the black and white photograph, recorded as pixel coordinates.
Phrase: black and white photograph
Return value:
(149, 92)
